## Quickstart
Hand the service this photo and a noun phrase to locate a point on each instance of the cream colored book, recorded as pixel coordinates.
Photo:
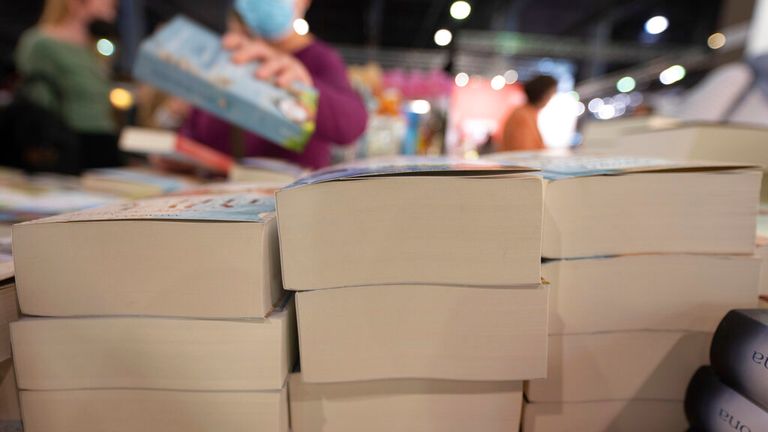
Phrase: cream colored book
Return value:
(7, 270)
(762, 254)
(701, 141)
(649, 292)
(133, 182)
(262, 169)
(604, 135)
(652, 365)
(603, 205)
(154, 353)
(120, 410)
(405, 406)
(206, 256)
(10, 415)
(605, 416)
(429, 223)
(9, 312)
(409, 331)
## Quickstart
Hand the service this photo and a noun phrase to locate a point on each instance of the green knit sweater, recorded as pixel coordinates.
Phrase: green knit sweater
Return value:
(82, 81)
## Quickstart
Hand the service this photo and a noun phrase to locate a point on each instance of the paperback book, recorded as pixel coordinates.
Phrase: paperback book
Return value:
(203, 256)
(188, 60)
(606, 205)
(739, 353)
(428, 222)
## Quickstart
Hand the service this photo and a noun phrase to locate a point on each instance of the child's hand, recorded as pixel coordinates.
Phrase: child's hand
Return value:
(284, 69)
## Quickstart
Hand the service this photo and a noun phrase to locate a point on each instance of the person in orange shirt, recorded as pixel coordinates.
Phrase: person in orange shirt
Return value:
(521, 129)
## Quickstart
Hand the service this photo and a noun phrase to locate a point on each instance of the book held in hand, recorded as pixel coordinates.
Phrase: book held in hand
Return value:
(202, 256)
(187, 60)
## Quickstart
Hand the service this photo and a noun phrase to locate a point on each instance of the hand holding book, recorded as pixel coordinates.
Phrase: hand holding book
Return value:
(279, 67)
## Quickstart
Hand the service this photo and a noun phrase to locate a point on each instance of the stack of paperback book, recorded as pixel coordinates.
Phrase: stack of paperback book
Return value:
(419, 301)
(732, 394)
(723, 142)
(158, 315)
(10, 417)
(644, 258)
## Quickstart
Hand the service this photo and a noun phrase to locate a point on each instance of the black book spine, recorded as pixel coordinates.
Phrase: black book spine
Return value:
(739, 353)
(712, 406)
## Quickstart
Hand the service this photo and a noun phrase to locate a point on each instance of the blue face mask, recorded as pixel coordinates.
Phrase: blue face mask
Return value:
(270, 19)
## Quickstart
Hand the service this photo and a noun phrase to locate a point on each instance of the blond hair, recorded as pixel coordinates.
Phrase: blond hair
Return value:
(54, 12)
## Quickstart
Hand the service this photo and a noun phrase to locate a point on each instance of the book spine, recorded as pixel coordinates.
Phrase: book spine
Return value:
(739, 355)
(712, 406)
(204, 155)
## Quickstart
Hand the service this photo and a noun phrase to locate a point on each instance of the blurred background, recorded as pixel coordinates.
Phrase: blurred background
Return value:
(440, 76)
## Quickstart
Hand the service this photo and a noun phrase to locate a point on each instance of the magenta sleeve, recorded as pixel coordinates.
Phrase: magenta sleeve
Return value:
(341, 114)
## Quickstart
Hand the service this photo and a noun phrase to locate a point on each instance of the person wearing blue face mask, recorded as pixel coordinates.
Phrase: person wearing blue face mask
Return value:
(262, 31)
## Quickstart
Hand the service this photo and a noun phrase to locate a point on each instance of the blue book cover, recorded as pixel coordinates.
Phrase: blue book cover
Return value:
(556, 167)
(245, 207)
(187, 60)
(739, 353)
(274, 165)
(410, 166)
(166, 183)
(712, 406)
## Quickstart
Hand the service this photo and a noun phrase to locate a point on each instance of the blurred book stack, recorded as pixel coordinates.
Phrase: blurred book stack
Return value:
(265, 170)
(174, 147)
(640, 278)
(419, 300)
(164, 314)
(25, 197)
(134, 182)
(10, 416)
(732, 394)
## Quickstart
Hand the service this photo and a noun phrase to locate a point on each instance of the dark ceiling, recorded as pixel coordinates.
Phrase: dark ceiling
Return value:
(412, 23)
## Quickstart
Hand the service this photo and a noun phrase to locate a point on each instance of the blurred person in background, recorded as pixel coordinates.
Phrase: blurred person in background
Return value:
(262, 31)
(61, 73)
(521, 128)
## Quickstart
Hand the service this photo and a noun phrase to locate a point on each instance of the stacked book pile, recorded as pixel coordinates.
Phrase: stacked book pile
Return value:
(722, 142)
(419, 301)
(644, 258)
(732, 394)
(10, 416)
(157, 315)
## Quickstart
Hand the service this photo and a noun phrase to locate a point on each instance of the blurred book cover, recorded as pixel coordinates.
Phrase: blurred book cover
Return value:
(187, 60)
